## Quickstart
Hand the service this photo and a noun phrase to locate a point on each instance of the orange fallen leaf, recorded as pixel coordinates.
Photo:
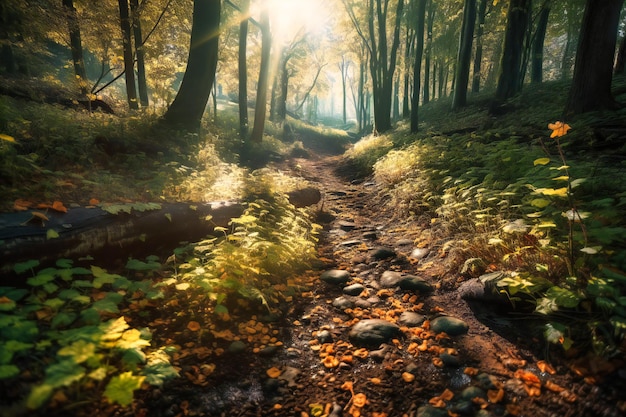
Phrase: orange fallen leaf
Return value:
(22, 205)
(470, 371)
(545, 367)
(348, 386)
(273, 372)
(447, 395)
(330, 361)
(553, 387)
(58, 206)
(408, 377)
(194, 326)
(361, 353)
(437, 402)
(513, 409)
(528, 377)
(558, 129)
(359, 400)
(495, 396)
(94, 201)
(376, 381)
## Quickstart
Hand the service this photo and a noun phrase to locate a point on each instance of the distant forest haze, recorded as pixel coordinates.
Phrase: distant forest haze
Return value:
(370, 62)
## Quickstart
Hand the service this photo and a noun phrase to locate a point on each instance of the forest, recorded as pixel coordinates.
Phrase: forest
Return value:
(312, 208)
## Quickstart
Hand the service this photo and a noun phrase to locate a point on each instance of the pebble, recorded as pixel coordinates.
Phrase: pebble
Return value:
(411, 319)
(404, 242)
(413, 283)
(342, 303)
(473, 392)
(430, 411)
(450, 325)
(335, 276)
(324, 336)
(351, 242)
(390, 279)
(354, 289)
(450, 360)
(383, 253)
(419, 253)
(237, 347)
(372, 332)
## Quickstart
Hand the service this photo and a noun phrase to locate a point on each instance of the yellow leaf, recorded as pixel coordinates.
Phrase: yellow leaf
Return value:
(52, 234)
(561, 178)
(7, 138)
(558, 129)
(541, 161)
(557, 192)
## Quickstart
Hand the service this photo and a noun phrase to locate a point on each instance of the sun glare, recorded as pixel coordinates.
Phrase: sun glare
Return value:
(292, 16)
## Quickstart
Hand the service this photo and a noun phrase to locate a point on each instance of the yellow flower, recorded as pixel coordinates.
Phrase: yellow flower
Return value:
(558, 129)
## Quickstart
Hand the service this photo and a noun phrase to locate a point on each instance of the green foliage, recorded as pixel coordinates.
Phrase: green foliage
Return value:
(71, 326)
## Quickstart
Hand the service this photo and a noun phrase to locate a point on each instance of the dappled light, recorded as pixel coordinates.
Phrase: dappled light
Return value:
(312, 208)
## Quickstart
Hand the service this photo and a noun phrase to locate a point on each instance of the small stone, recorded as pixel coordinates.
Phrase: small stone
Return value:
(413, 283)
(237, 347)
(430, 411)
(411, 319)
(342, 303)
(404, 242)
(390, 279)
(354, 289)
(269, 350)
(351, 242)
(383, 253)
(450, 325)
(450, 360)
(473, 392)
(372, 332)
(324, 336)
(487, 381)
(370, 235)
(346, 225)
(419, 253)
(465, 408)
(290, 374)
(335, 276)
(364, 304)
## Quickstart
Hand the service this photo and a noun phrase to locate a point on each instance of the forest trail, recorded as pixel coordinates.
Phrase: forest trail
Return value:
(365, 337)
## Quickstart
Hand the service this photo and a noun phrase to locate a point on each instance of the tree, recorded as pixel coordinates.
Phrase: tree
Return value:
(76, 45)
(139, 53)
(478, 56)
(428, 52)
(190, 102)
(621, 57)
(459, 99)
(417, 66)
(536, 66)
(260, 108)
(593, 71)
(242, 68)
(129, 72)
(510, 79)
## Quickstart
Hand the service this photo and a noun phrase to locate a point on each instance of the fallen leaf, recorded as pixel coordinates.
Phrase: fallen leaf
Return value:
(273, 372)
(447, 395)
(408, 377)
(22, 205)
(330, 361)
(359, 400)
(553, 387)
(194, 326)
(545, 367)
(495, 396)
(58, 206)
(470, 371)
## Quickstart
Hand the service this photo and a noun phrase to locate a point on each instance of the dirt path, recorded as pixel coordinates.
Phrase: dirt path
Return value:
(400, 364)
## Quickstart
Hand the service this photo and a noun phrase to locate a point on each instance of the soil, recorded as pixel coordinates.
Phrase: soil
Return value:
(302, 362)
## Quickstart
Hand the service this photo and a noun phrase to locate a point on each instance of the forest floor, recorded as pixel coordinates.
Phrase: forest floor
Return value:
(317, 365)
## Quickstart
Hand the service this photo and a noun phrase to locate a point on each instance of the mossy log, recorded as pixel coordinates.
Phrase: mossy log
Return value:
(107, 239)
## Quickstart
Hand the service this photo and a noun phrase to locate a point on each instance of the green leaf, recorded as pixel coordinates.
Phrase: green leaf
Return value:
(563, 297)
(546, 306)
(221, 309)
(64, 373)
(25, 266)
(63, 319)
(541, 161)
(39, 396)
(79, 351)
(40, 279)
(556, 192)
(52, 234)
(156, 374)
(6, 304)
(137, 265)
(102, 277)
(8, 371)
(121, 388)
(64, 263)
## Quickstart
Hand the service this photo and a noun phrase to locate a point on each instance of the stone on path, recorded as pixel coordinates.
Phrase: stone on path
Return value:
(413, 283)
(390, 279)
(419, 253)
(342, 303)
(354, 289)
(450, 325)
(411, 319)
(335, 276)
(430, 411)
(383, 253)
(372, 332)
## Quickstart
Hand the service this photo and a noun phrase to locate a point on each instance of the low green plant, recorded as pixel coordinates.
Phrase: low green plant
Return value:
(67, 332)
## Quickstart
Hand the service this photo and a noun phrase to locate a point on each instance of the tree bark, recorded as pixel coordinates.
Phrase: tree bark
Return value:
(139, 54)
(428, 52)
(129, 67)
(459, 99)
(593, 71)
(510, 68)
(243, 69)
(76, 45)
(260, 109)
(478, 56)
(621, 57)
(536, 67)
(417, 66)
(190, 102)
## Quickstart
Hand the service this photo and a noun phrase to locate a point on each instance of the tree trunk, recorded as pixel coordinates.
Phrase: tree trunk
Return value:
(428, 52)
(465, 55)
(478, 57)
(281, 104)
(417, 66)
(243, 69)
(536, 68)
(129, 68)
(76, 45)
(343, 67)
(593, 72)
(570, 44)
(190, 102)
(139, 54)
(260, 109)
(408, 49)
(396, 99)
(621, 57)
(510, 68)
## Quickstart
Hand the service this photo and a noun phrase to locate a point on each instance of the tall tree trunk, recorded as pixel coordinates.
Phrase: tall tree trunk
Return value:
(191, 100)
(396, 99)
(478, 56)
(536, 68)
(129, 67)
(76, 45)
(139, 54)
(465, 55)
(417, 66)
(361, 93)
(621, 57)
(283, 89)
(343, 67)
(510, 67)
(570, 43)
(409, 44)
(243, 69)
(428, 52)
(593, 72)
(260, 109)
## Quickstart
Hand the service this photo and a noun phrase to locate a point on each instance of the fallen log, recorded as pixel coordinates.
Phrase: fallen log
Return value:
(108, 237)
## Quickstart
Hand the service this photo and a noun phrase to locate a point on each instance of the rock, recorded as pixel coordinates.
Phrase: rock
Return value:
(464, 408)
(372, 332)
(413, 283)
(419, 253)
(290, 374)
(383, 253)
(473, 392)
(354, 289)
(346, 225)
(352, 242)
(450, 360)
(237, 347)
(430, 411)
(487, 381)
(411, 319)
(390, 279)
(370, 235)
(335, 276)
(269, 350)
(450, 325)
(364, 304)
(342, 303)
(324, 336)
